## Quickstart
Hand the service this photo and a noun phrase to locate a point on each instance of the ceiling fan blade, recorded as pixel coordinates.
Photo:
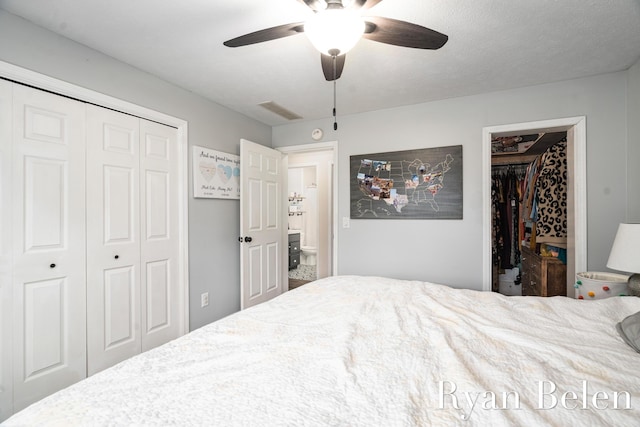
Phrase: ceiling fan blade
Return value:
(267, 34)
(364, 4)
(327, 66)
(402, 33)
(316, 5)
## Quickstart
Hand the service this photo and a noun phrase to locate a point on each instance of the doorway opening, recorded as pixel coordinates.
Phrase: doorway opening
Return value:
(312, 211)
(529, 211)
(304, 222)
(576, 237)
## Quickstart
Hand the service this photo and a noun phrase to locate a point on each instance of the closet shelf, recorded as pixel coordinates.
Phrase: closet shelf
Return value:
(512, 160)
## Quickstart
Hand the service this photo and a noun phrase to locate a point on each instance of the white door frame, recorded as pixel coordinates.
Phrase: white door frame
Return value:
(324, 146)
(6, 248)
(37, 80)
(578, 128)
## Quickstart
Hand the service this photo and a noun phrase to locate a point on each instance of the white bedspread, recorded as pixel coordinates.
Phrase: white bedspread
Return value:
(370, 351)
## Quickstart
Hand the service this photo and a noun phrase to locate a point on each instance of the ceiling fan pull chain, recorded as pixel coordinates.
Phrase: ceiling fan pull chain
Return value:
(335, 123)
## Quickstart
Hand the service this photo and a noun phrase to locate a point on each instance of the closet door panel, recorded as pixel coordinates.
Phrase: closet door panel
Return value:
(113, 238)
(6, 309)
(119, 185)
(43, 328)
(49, 300)
(159, 242)
(44, 191)
(119, 312)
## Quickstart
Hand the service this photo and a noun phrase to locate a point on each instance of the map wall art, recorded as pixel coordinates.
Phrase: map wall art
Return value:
(216, 175)
(412, 184)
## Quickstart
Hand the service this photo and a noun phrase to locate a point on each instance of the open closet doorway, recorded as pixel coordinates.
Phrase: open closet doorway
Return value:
(311, 206)
(534, 268)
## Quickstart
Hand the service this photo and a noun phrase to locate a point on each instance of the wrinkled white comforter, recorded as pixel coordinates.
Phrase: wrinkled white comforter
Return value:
(372, 351)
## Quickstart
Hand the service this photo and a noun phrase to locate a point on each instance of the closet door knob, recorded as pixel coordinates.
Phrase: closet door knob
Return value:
(52, 266)
(117, 256)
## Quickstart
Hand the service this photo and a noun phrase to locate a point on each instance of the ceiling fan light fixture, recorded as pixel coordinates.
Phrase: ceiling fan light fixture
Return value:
(334, 30)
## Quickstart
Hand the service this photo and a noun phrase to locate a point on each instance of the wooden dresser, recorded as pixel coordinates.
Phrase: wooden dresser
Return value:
(542, 276)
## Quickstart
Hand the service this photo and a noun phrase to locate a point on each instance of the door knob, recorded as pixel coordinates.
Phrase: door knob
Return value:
(117, 256)
(52, 266)
(248, 239)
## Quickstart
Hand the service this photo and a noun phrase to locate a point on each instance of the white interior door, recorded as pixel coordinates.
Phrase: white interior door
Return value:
(113, 238)
(6, 329)
(160, 290)
(49, 244)
(262, 232)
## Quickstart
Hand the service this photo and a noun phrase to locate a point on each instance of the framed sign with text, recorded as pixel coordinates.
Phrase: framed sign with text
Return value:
(216, 175)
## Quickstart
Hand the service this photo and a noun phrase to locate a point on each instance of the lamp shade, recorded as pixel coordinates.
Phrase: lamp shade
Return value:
(334, 30)
(625, 253)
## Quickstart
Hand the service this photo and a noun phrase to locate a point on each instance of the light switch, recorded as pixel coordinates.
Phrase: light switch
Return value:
(346, 223)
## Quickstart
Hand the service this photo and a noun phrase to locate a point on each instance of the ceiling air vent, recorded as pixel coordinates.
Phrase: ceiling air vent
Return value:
(280, 110)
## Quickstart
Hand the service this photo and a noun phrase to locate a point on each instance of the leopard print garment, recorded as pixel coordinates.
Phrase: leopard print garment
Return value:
(551, 224)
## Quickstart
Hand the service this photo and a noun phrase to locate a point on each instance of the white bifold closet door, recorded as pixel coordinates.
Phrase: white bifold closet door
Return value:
(132, 245)
(89, 241)
(48, 202)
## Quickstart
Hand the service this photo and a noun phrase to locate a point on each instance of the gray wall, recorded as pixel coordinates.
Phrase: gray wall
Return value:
(450, 251)
(214, 264)
(633, 141)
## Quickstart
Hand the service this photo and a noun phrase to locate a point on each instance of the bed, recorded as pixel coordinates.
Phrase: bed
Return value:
(372, 351)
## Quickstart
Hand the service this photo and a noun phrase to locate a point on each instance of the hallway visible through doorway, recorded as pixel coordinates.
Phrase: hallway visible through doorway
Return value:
(311, 211)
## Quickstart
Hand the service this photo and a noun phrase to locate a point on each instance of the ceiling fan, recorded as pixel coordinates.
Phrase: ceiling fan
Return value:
(335, 28)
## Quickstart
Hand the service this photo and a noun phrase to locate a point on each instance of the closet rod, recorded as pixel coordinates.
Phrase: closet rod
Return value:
(518, 169)
(508, 167)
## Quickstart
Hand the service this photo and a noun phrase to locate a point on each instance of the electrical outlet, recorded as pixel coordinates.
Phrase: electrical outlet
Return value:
(204, 299)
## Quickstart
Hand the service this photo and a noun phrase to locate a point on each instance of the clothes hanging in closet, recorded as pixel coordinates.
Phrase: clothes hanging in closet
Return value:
(551, 223)
(544, 195)
(505, 198)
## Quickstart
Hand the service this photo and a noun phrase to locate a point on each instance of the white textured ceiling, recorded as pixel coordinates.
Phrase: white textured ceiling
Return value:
(493, 45)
